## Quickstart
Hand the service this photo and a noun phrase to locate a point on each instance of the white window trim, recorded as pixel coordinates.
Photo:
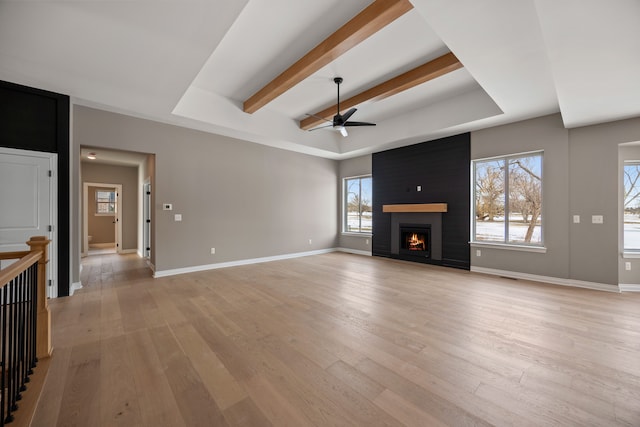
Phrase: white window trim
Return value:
(356, 234)
(523, 247)
(344, 208)
(510, 246)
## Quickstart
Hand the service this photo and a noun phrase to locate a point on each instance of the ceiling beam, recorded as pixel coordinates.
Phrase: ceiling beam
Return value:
(372, 19)
(421, 74)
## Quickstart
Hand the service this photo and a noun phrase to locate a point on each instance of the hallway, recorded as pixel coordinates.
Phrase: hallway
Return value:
(112, 270)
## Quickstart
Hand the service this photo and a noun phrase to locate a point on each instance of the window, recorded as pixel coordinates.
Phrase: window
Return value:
(632, 206)
(105, 202)
(357, 205)
(508, 200)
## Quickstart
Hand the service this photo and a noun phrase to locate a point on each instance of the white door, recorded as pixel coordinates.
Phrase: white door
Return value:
(146, 227)
(26, 185)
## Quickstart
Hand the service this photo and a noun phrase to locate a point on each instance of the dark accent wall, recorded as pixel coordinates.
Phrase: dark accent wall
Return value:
(442, 169)
(37, 120)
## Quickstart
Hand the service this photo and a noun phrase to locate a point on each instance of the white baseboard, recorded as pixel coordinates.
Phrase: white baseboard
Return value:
(629, 287)
(196, 268)
(74, 287)
(547, 279)
(128, 251)
(354, 251)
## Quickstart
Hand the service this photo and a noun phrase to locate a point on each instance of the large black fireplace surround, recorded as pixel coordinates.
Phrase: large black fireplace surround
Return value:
(431, 172)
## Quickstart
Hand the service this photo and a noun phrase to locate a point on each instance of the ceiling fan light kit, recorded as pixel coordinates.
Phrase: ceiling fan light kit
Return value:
(341, 121)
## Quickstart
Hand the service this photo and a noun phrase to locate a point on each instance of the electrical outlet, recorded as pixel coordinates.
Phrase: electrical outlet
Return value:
(310, 241)
(213, 251)
(597, 219)
(366, 241)
(478, 252)
(167, 206)
(627, 266)
(576, 219)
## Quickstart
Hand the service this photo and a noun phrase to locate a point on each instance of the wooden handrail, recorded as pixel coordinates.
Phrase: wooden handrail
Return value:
(9, 273)
(13, 255)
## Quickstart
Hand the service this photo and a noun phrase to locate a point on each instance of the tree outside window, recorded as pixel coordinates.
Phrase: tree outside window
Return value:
(357, 201)
(632, 206)
(508, 200)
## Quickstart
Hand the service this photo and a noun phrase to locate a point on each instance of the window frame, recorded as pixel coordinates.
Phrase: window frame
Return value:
(506, 243)
(627, 252)
(98, 202)
(345, 203)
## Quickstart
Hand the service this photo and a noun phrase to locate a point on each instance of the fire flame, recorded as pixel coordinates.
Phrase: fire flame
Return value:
(415, 242)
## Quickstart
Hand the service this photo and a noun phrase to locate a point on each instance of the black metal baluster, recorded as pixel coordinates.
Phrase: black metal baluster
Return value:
(11, 402)
(16, 348)
(33, 278)
(18, 352)
(34, 305)
(22, 329)
(3, 321)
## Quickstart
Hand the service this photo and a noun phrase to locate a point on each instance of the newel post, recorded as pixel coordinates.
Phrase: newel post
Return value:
(43, 334)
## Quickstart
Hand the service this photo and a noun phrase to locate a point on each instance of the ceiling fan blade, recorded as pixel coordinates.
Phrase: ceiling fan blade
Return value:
(358, 124)
(318, 117)
(322, 127)
(348, 114)
(343, 131)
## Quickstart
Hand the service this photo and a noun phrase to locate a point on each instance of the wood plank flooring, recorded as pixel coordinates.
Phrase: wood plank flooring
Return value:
(338, 340)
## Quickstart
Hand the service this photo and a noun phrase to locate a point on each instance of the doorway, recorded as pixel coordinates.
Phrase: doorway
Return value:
(102, 218)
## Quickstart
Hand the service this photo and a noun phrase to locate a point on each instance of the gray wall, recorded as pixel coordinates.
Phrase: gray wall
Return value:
(244, 199)
(232, 192)
(548, 134)
(581, 177)
(127, 176)
(596, 179)
(352, 167)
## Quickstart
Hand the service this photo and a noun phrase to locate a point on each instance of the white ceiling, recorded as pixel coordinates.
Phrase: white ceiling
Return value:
(194, 62)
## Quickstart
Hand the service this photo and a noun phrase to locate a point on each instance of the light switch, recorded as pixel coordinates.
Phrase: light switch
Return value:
(576, 219)
(419, 188)
(597, 219)
(177, 217)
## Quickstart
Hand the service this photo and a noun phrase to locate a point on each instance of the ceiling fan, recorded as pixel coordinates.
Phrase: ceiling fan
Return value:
(341, 121)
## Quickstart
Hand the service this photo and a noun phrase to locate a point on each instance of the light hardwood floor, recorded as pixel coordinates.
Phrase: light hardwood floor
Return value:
(338, 340)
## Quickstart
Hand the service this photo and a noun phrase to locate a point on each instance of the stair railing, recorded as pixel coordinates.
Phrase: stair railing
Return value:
(25, 320)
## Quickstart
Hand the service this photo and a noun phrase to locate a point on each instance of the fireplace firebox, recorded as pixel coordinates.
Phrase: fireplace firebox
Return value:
(415, 240)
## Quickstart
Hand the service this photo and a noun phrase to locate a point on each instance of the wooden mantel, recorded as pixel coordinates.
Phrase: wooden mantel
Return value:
(421, 207)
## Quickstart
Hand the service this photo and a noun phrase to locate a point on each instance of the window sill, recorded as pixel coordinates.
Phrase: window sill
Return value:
(630, 255)
(351, 233)
(522, 248)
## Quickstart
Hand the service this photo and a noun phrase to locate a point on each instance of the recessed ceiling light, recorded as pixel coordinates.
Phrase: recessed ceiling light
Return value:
(91, 156)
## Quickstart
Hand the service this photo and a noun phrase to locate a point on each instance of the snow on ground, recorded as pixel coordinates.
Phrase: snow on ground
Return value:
(494, 232)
